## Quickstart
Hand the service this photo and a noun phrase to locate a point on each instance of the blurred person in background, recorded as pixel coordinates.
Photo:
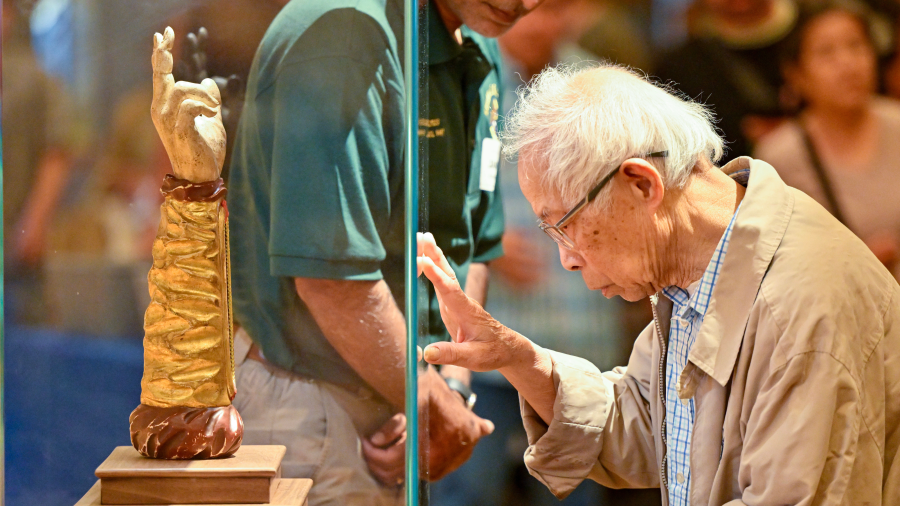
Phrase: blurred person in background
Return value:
(549, 35)
(38, 148)
(619, 31)
(841, 149)
(98, 246)
(115, 213)
(730, 62)
(530, 286)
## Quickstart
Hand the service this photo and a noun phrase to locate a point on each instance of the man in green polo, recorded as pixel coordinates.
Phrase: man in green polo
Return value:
(316, 213)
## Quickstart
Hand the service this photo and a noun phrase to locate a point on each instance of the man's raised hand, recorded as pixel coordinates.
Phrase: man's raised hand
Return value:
(480, 343)
(187, 117)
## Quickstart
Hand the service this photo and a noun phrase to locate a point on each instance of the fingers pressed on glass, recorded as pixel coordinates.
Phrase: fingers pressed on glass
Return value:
(433, 251)
(437, 275)
(442, 353)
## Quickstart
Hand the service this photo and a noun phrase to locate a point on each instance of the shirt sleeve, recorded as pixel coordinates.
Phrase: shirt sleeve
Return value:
(601, 426)
(331, 168)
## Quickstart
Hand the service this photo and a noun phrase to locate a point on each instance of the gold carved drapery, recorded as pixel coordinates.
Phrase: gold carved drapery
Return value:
(188, 340)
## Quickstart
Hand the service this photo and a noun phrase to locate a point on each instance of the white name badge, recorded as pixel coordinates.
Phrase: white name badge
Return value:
(490, 161)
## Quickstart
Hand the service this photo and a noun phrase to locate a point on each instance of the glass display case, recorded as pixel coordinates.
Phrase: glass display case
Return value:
(350, 127)
(216, 214)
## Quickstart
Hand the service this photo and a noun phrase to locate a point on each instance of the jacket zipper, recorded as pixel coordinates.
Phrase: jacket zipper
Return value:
(662, 393)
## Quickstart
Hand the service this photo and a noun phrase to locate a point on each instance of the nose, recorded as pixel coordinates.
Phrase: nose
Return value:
(570, 260)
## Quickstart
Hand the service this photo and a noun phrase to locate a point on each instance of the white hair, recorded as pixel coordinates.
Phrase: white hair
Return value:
(582, 129)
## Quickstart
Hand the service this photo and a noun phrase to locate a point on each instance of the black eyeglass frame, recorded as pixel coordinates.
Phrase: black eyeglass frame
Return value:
(556, 231)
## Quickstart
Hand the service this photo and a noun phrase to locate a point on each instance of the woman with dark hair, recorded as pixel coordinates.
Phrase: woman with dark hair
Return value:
(841, 149)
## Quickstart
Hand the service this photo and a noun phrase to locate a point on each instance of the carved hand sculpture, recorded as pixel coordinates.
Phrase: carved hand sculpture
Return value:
(188, 381)
(187, 117)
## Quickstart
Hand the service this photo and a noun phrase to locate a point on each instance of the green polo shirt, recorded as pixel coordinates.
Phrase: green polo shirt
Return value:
(316, 185)
(457, 120)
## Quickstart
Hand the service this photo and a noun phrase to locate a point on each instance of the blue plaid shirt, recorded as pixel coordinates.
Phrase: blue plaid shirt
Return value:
(689, 309)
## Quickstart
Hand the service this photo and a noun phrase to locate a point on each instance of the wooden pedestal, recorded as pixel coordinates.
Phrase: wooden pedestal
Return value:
(252, 476)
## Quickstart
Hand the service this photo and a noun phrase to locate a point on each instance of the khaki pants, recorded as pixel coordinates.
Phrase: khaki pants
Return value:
(319, 423)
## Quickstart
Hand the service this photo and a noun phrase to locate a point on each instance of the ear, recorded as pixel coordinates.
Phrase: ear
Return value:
(644, 182)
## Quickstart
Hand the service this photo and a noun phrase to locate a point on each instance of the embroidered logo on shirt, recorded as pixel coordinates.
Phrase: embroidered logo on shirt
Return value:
(431, 128)
(492, 107)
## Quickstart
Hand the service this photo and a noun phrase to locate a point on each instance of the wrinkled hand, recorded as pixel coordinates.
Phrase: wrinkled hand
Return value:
(448, 430)
(385, 451)
(480, 343)
(187, 117)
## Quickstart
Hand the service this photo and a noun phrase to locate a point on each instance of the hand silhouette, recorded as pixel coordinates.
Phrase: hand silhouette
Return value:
(187, 117)
(480, 343)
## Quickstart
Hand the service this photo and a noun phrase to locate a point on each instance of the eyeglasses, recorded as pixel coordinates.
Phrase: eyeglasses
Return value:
(556, 231)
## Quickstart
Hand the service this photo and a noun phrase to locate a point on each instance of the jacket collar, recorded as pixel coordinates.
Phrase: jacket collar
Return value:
(758, 229)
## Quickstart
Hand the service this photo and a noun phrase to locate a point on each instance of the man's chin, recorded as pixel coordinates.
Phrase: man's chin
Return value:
(488, 28)
(629, 295)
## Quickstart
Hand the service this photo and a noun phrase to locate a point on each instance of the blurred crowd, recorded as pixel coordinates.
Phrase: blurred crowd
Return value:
(808, 86)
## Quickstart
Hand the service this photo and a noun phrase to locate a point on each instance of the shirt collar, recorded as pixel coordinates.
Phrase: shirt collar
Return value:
(758, 231)
(679, 297)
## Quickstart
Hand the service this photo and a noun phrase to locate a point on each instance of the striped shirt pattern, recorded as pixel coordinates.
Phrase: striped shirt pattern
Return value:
(689, 309)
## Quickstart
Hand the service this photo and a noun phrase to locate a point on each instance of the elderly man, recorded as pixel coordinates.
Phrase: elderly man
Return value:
(771, 371)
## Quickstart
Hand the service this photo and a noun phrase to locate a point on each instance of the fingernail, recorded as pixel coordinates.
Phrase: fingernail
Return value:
(490, 426)
(378, 439)
(432, 353)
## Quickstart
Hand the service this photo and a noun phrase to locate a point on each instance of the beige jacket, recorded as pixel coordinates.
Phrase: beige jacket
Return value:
(795, 375)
